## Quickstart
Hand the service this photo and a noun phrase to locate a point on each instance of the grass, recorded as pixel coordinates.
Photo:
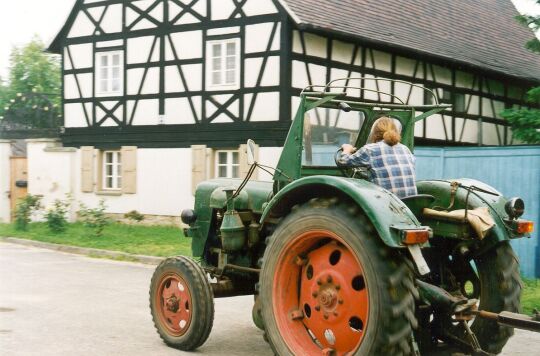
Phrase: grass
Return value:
(531, 295)
(159, 241)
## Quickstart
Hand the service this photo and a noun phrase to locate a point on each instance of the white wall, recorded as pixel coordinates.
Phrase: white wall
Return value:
(163, 178)
(50, 171)
(163, 184)
(269, 156)
(5, 176)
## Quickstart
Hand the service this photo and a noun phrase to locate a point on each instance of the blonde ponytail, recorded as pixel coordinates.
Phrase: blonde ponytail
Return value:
(385, 129)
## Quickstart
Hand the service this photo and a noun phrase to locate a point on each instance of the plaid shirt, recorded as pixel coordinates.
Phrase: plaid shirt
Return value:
(391, 167)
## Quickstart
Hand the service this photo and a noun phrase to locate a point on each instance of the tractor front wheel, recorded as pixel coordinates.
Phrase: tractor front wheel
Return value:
(329, 285)
(182, 303)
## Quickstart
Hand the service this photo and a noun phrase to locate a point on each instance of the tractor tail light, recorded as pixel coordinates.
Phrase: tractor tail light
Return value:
(524, 227)
(413, 237)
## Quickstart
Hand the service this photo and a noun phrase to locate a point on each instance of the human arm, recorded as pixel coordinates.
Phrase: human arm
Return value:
(360, 158)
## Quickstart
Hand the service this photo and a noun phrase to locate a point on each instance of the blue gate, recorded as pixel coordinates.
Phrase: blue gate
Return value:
(514, 171)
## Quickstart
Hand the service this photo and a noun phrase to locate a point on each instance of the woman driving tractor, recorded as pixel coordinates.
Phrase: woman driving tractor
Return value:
(390, 164)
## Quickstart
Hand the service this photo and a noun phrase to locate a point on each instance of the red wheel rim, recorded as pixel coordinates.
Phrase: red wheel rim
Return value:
(174, 304)
(320, 295)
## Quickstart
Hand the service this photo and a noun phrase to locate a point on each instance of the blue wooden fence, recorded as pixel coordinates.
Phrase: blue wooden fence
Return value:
(513, 171)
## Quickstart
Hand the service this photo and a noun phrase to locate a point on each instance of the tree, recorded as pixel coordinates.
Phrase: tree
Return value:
(31, 96)
(526, 122)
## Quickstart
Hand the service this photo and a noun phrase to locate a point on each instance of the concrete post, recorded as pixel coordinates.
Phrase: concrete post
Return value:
(5, 180)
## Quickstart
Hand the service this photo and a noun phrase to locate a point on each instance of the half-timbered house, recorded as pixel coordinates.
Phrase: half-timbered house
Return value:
(160, 94)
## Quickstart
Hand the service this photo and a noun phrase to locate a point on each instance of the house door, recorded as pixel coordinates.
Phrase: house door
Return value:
(19, 182)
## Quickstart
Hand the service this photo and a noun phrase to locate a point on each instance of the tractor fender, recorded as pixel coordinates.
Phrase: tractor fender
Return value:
(386, 211)
(440, 189)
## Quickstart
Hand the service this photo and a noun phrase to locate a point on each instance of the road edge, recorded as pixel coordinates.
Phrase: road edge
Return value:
(90, 252)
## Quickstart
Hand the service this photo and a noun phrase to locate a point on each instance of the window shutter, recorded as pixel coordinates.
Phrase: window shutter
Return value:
(87, 169)
(198, 165)
(244, 166)
(129, 169)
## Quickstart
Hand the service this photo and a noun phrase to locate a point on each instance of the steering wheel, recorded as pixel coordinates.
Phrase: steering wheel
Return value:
(345, 171)
(348, 171)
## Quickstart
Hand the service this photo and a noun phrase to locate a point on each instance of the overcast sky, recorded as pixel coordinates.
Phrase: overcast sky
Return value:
(21, 19)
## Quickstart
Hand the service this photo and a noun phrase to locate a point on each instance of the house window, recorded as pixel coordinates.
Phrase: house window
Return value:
(109, 68)
(227, 164)
(223, 63)
(112, 170)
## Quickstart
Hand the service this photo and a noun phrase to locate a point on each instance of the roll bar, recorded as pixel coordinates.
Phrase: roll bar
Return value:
(328, 87)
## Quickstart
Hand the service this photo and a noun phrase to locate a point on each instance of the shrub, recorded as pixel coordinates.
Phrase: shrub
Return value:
(134, 215)
(94, 218)
(56, 216)
(24, 210)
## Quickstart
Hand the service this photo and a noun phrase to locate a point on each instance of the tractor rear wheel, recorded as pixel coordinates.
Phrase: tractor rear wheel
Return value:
(329, 285)
(182, 303)
(500, 290)
(493, 279)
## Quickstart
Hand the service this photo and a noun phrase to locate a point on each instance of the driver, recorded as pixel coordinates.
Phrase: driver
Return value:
(390, 164)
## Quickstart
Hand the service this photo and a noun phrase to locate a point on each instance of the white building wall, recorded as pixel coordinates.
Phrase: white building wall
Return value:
(51, 172)
(5, 176)
(163, 179)
(163, 184)
(269, 156)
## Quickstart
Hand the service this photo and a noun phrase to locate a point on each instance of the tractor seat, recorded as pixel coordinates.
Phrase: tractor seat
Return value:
(417, 203)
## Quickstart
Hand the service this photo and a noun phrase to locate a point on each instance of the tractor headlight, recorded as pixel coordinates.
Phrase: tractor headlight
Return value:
(188, 216)
(515, 207)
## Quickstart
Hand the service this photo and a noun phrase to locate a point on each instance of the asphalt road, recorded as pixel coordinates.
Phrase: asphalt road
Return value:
(53, 303)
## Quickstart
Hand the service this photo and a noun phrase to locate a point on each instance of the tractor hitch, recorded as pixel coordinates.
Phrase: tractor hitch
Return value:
(465, 309)
(514, 320)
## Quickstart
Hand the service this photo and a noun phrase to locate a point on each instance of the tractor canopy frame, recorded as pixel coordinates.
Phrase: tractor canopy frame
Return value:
(334, 96)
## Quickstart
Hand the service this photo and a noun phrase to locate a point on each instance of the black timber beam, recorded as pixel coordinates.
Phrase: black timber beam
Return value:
(215, 135)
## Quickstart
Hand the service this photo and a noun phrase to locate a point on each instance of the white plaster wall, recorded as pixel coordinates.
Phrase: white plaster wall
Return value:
(180, 41)
(163, 179)
(258, 35)
(266, 107)
(5, 176)
(269, 156)
(81, 54)
(74, 115)
(146, 113)
(163, 184)
(138, 49)
(112, 20)
(82, 26)
(50, 174)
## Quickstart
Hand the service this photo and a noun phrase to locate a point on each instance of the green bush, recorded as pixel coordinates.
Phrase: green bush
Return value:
(56, 216)
(94, 218)
(134, 216)
(23, 212)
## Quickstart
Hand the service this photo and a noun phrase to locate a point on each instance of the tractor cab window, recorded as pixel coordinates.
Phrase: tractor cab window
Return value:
(325, 130)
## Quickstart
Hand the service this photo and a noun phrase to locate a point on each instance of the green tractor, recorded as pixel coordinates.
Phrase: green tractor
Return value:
(338, 265)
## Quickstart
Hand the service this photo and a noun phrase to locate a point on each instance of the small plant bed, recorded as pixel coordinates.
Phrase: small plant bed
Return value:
(159, 241)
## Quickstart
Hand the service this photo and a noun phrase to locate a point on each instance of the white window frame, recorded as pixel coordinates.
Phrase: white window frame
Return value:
(229, 164)
(109, 78)
(116, 175)
(223, 60)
